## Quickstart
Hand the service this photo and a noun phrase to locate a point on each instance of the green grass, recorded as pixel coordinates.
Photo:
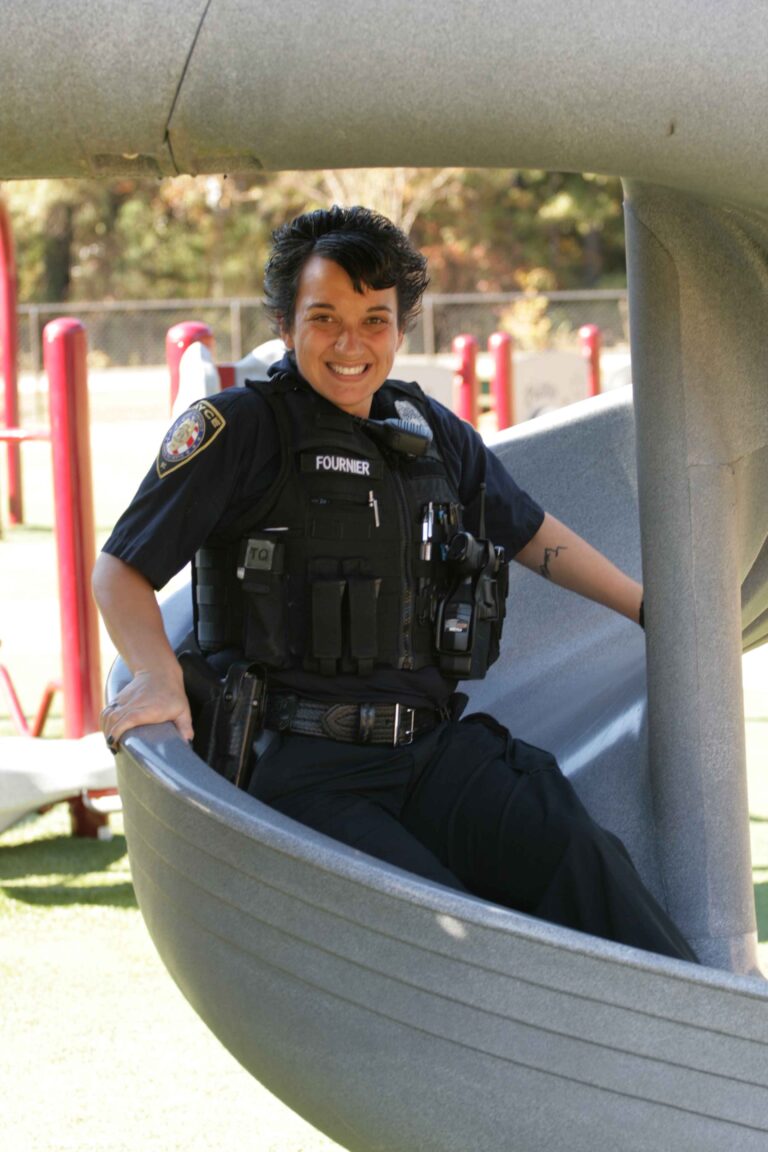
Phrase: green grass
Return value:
(100, 1050)
(54, 870)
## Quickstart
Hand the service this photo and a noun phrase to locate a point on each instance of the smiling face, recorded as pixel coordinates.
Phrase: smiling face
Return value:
(344, 341)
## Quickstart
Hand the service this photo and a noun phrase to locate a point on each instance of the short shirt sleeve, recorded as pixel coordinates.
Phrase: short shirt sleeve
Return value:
(512, 517)
(216, 459)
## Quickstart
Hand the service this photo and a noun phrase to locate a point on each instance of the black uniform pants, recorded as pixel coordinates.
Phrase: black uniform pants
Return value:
(472, 808)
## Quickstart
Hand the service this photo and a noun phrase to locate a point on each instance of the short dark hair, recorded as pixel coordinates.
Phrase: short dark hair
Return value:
(371, 250)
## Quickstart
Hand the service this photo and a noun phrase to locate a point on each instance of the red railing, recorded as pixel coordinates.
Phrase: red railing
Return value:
(589, 339)
(465, 382)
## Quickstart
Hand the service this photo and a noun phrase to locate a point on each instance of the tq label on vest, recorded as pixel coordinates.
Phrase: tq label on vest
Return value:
(259, 555)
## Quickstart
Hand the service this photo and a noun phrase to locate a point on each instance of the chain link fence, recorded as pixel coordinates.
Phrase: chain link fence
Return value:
(482, 314)
(131, 334)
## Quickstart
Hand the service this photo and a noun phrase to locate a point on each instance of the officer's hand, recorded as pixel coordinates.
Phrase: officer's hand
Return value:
(150, 698)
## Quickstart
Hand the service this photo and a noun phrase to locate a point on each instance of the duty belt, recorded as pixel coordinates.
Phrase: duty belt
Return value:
(393, 724)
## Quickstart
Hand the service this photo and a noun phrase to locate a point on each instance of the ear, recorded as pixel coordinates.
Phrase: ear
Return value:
(400, 338)
(286, 337)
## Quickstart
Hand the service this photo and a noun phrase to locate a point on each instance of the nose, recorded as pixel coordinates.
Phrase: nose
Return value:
(348, 340)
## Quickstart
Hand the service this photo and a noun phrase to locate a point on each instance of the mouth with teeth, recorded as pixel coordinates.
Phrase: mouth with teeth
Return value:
(348, 369)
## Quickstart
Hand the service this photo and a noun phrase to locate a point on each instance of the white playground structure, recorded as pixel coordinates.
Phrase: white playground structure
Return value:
(35, 773)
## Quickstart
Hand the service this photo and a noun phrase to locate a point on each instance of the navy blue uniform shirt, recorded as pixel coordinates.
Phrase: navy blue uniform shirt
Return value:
(213, 473)
(221, 457)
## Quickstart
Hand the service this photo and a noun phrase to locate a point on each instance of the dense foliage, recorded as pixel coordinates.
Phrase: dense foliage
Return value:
(207, 236)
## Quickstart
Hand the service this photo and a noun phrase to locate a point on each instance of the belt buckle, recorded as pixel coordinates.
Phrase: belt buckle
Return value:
(410, 720)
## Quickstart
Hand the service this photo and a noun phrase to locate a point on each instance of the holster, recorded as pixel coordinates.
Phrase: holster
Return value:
(227, 713)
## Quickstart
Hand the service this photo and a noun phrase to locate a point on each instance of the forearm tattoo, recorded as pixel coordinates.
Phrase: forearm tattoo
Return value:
(549, 553)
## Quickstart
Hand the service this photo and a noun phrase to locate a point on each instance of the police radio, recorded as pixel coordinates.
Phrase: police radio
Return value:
(470, 616)
(408, 437)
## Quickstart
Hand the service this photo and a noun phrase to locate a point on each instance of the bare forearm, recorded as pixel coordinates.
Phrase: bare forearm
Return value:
(560, 555)
(131, 613)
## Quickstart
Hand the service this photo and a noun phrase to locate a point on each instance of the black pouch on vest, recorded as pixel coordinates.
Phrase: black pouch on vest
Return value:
(260, 570)
(227, 713)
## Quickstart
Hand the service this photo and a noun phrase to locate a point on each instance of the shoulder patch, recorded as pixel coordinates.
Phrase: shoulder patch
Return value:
(189, 434)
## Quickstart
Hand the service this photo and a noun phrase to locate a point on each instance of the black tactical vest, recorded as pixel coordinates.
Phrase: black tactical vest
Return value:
(356, 560)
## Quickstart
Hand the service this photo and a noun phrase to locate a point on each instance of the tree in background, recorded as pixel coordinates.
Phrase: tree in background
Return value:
(208, 236)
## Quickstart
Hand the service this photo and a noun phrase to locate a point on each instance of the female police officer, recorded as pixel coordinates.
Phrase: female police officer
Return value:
(351, 537)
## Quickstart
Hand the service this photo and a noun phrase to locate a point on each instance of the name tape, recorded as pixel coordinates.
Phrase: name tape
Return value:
(348, 465)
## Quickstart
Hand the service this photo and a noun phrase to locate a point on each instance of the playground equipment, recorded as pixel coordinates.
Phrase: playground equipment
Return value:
(502, 380)
(589, 338)
(193, 373)
(522, 385)
(391, 1013)
(35, 772)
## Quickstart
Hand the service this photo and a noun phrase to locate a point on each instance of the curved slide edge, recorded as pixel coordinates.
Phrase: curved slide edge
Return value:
(394, 1014)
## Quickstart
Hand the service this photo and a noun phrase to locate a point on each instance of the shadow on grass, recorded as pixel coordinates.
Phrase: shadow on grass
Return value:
(761, 910)
(65, 855)
(119, 895)
(53, 865)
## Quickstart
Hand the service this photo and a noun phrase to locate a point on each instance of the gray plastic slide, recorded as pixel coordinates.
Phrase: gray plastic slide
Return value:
(395, 1015)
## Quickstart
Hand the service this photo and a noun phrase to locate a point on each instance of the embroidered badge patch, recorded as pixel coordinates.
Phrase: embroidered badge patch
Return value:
(189, 434)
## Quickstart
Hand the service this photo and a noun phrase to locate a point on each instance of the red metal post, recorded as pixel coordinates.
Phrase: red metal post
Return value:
(177, 340)
(589, 337)
(14, 704)
(227, 375)
(20, 721)
(501, 348)
(64, 353)
(9, 353)
(465, 388)
(44, 707)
